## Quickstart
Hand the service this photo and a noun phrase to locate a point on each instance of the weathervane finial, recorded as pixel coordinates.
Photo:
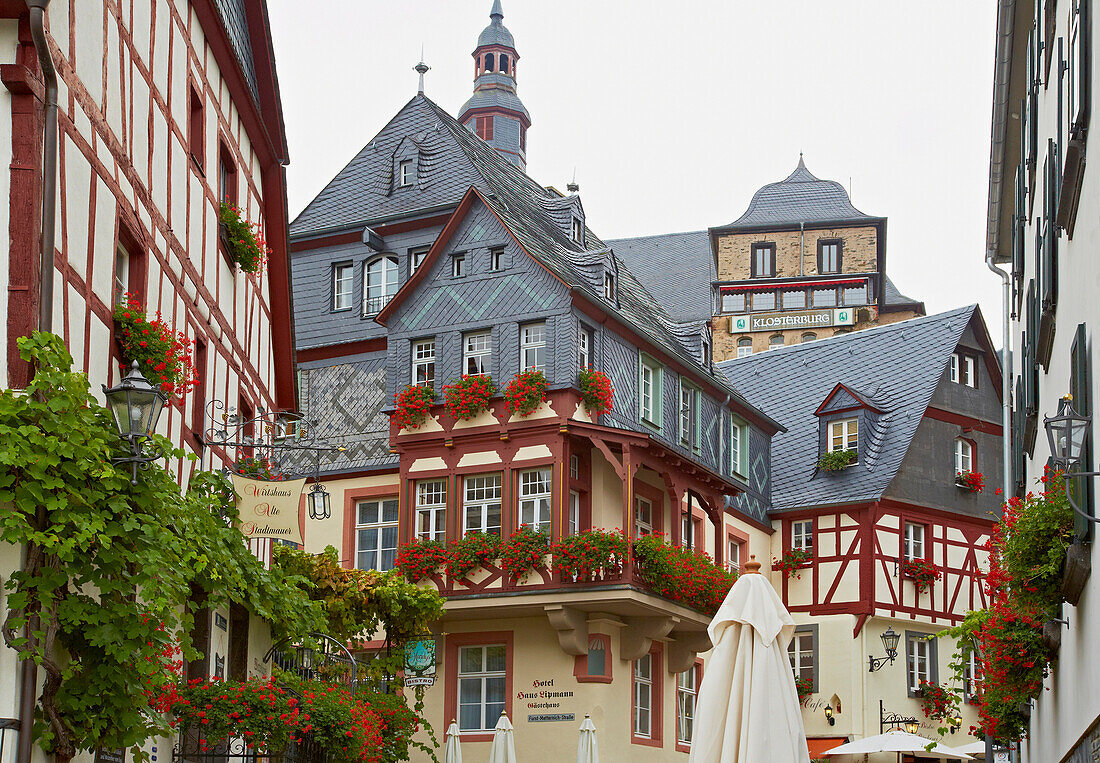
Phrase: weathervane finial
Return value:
(421, 69)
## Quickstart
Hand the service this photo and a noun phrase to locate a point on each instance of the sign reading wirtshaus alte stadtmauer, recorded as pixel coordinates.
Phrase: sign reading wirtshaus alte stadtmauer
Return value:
(269, 509)
(806, 319)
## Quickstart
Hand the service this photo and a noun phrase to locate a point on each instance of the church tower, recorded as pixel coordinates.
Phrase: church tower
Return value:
(494, 112)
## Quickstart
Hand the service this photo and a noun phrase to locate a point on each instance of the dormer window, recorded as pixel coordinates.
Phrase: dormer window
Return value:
(609, 286)
(964, 369)
(496, 259)
(704, 350)
(578, 230)
(458, 265)
(405, 173)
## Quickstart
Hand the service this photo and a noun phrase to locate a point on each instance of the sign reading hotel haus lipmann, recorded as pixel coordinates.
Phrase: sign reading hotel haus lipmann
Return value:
(844, 316)
(269, 509)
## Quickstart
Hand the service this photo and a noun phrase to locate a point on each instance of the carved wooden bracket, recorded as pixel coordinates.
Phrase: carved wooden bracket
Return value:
(572, 627)
(684, 648)
(616, 464)
(637, 637)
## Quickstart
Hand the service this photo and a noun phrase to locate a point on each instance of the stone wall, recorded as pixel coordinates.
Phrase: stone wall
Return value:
(858, 251)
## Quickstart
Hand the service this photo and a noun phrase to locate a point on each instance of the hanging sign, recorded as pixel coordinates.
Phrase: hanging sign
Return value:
(269, 509)
(420, 662)
(103, 755)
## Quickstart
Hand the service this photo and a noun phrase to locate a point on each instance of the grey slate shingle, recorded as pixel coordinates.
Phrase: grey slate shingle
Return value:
(896, 367)
(799, 198)
(676, 268)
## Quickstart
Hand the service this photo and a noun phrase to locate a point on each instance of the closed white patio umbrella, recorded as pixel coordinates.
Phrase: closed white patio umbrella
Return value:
(748, 709)
(587, 751)
(899, 742)
(504, 746)
(974, 748)
(452, 753)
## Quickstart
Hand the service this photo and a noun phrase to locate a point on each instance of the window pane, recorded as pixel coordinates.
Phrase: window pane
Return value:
(368, 512)
(733, 302)
(597, 658)
(763, 300)
(389, 511)
(470, 659)
(824, 297)
(469, 717)
(495, 658)
(854, 295)
(794, 300)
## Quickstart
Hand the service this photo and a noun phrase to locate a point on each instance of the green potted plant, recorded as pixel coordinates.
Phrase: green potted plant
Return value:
(836, 460)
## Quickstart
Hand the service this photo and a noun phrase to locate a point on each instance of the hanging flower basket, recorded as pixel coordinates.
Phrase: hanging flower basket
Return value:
(793, 561)
(413, 406)
(163, 355)
(972, 481)
(526, 392)
(836, 460)
(243, 239)
(921, 571)
(597, 394)
(469, 396)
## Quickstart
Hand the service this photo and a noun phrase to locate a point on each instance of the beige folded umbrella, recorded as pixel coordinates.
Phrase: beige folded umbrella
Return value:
(899, 742)
(452, 753)
(504, 746)
(587, 751)
(748, 709)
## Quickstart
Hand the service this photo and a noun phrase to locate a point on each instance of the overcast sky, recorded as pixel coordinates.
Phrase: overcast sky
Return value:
(674, 113)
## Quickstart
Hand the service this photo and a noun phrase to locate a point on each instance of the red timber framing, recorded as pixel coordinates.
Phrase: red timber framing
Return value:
(857, 558)
(509, 447)
(117, 128)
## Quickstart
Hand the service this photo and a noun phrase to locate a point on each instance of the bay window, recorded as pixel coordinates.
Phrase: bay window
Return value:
(481, 509)
(534, 499)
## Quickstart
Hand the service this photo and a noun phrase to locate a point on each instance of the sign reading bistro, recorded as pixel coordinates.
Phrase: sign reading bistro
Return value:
(269, 509)
(842, 316)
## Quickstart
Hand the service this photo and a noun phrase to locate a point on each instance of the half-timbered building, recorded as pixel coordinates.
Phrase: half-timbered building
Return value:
(916, 405)
(164, 109)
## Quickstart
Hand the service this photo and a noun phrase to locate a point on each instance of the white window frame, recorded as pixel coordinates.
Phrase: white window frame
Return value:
(733, 554)
(417, 257)
(535, 487)
(802, 535)
(801, 657)
(739, 447)
(343, 282)
(380, 283)
(643, 688)
(380, 525)
(690, 420)
(843, 435)
(649, 391)
(122, 274)
(574, 512)
(431, 510)
(918, 651)
(477, 346)
(744, 347)
(643, 516)
(574, 466)
(532, 346)
(481, 677)
(482, 492)
(964, 455)
(405, 172)
(774, 345)
(496, 258)
(687, 529)
(964, 370)
(584, 347)
(687, 694)
(423, 363)
(972, 670)
(915, 541)
(458, 265)
(609, 286)
(578, 230)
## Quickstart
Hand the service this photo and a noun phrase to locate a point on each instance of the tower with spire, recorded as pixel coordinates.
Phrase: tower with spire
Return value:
(494, 112)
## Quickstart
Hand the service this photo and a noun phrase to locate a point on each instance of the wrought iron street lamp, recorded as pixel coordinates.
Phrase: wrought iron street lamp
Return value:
(318, 500)
(895, 720)
(135, 405)
(1067, 434)
(829, 715)
(912, 726)
(890, 643)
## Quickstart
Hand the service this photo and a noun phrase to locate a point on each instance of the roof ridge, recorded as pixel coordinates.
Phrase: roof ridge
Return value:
(656, 235)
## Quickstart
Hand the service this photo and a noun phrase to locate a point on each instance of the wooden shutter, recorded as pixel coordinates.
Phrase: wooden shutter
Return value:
(1080, 388)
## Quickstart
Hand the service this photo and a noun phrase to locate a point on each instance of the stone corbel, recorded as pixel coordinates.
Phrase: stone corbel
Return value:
(684, 648)
(572, 627)
(637, 637)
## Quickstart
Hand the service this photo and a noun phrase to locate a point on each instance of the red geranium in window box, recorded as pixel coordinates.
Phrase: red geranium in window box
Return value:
(597, 394)
(420, 559)
(163, 355)
(793, 561)
(243, 239)
(413, 405)
(972, 481)
(469, 396)
(526, 392)
(921, 571)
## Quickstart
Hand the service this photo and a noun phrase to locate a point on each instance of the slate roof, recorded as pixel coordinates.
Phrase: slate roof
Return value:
(676, 268)
(799, 198)
(496, 33)
(897, 367)
(494, 97)
(894, 298)
(235, 19)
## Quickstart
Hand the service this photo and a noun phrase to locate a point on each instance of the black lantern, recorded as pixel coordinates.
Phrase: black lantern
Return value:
(956, 723)
(135, 405)
(890, 643)
(829, 715)
(318, 499)
(1066, 434)
(911, 726)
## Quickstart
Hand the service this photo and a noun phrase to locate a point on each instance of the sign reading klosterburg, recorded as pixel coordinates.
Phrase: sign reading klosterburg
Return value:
(269, 509)
(842, 316)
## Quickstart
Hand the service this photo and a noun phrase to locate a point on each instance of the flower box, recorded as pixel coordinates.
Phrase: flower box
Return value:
(597, 394)
(972, 481)
(469, 396)
(922, 572)
(243, 240)
(413, 405)
(526, 392)
(836, 460)
(793, 561)
(163, 355)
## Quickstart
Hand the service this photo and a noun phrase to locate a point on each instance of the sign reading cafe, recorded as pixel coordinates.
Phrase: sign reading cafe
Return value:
(269, 509)
(842, 316)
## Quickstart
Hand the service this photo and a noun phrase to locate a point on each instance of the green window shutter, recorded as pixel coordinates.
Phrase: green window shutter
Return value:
(1079, 386)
